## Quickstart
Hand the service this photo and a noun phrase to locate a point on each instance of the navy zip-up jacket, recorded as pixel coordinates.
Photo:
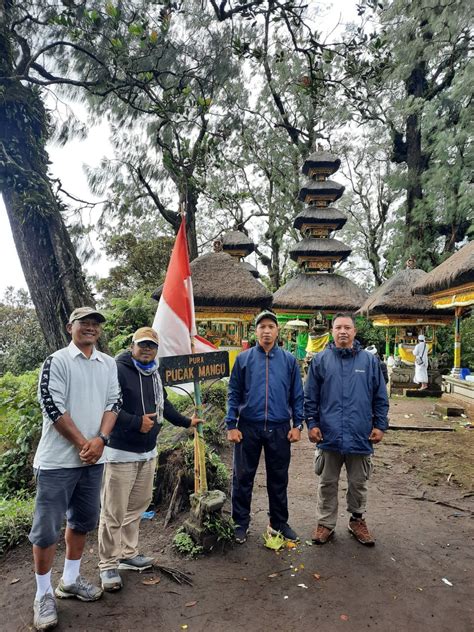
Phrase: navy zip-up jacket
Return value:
(265, 388)
(346, 397)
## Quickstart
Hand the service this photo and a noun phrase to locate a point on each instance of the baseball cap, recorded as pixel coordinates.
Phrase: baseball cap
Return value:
(266, 314)
(145, 333)
(84, 312)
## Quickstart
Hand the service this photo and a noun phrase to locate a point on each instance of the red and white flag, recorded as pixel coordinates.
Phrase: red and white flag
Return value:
(174, 320)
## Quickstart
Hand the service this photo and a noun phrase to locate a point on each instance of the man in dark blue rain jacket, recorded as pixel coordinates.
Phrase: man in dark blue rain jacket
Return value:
(265, 395)
(346, 407)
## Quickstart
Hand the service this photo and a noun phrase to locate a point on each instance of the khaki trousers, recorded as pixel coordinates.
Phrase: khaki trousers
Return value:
(126, 493)
(327, 465)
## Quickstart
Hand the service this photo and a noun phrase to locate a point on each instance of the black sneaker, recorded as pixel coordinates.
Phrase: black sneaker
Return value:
(285, 530)
(240, 534)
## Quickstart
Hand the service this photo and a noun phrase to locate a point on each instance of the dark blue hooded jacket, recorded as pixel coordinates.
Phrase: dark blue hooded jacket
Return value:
(346, 397)
(265, 388)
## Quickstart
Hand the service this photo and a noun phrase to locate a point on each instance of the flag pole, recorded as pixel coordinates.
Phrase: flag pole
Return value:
(200, 474)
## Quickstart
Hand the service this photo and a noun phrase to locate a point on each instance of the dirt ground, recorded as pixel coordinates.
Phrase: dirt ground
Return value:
(419, 576)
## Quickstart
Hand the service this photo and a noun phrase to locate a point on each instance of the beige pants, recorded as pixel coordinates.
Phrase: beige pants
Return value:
(126, 493)
(327, 466)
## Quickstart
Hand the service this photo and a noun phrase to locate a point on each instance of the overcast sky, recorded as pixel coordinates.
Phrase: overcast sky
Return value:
(68, 163)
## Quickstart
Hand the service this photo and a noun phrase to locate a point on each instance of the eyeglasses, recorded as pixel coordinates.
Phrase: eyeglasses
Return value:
(147, 344)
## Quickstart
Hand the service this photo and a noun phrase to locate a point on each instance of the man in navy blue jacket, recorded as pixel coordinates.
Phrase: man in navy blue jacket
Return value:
(265, 394)
(346, 406)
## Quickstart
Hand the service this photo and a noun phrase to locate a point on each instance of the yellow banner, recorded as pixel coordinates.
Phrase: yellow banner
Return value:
(317, 343)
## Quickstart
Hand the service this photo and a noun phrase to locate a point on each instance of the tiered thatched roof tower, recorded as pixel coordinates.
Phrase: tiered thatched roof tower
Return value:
(317, 288)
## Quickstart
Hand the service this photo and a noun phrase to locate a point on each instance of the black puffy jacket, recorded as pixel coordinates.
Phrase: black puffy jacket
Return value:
(126, 434)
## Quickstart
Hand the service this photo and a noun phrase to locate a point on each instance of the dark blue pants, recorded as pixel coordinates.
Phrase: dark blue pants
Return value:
(277, 451)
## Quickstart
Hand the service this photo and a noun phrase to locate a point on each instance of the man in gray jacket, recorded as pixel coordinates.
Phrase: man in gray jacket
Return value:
(79, 395)
(346, 406)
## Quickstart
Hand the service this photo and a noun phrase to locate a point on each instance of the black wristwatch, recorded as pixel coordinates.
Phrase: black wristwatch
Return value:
(105, 438)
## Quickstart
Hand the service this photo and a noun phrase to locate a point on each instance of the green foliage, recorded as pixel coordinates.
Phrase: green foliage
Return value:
(367, 335)
(216, 395)
(467, 343)
(217, 472)
(20, 429)
(185, 545)
(125, 316)
(221, 526)
(22, 344)
(182, 403)
(142, 264)
(16, 515)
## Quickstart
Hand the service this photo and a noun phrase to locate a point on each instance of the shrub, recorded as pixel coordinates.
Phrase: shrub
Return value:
(20, 429)
(216, 395)
(185, 545)
(16, 515)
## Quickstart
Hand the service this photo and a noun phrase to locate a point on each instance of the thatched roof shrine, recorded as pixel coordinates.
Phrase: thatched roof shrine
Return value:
(456, 271)
(235, 240)
(321, 162)
(319, 292)
(220, 280)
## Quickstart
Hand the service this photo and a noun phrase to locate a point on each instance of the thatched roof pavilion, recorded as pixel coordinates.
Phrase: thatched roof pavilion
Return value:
(452, 276)
(220, 281)
(449, 285)
(393, 303)
(308, 293)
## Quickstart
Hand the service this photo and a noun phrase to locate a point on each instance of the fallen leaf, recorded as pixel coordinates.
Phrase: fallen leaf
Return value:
(190, 604)
(15, 581)
(273, 575)
(308, 543)
(316, 576)
(301, 566)
(291, 545)
(151, 581)
(184, 626)
(344, 617)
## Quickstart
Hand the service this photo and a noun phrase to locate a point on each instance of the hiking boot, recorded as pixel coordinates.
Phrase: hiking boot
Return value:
(322, 534)
(285, 530)
(240, 534)
(111, 580)
(358, 528)
(137, 563)
(81, 589)
(45, 614)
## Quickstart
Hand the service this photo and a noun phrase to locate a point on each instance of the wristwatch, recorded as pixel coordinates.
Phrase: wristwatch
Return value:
(105, 438)
(299, 427)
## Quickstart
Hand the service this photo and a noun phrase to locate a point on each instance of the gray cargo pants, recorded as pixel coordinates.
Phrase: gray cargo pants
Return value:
(327, 465)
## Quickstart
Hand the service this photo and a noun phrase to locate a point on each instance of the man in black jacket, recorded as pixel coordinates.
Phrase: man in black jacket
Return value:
(130, 454)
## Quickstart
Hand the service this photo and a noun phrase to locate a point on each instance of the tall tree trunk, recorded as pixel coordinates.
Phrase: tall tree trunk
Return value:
(47, 256)
(189, 197)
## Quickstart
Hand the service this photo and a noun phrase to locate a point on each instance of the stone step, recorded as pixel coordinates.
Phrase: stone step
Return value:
(446, 409)
(427, 392)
